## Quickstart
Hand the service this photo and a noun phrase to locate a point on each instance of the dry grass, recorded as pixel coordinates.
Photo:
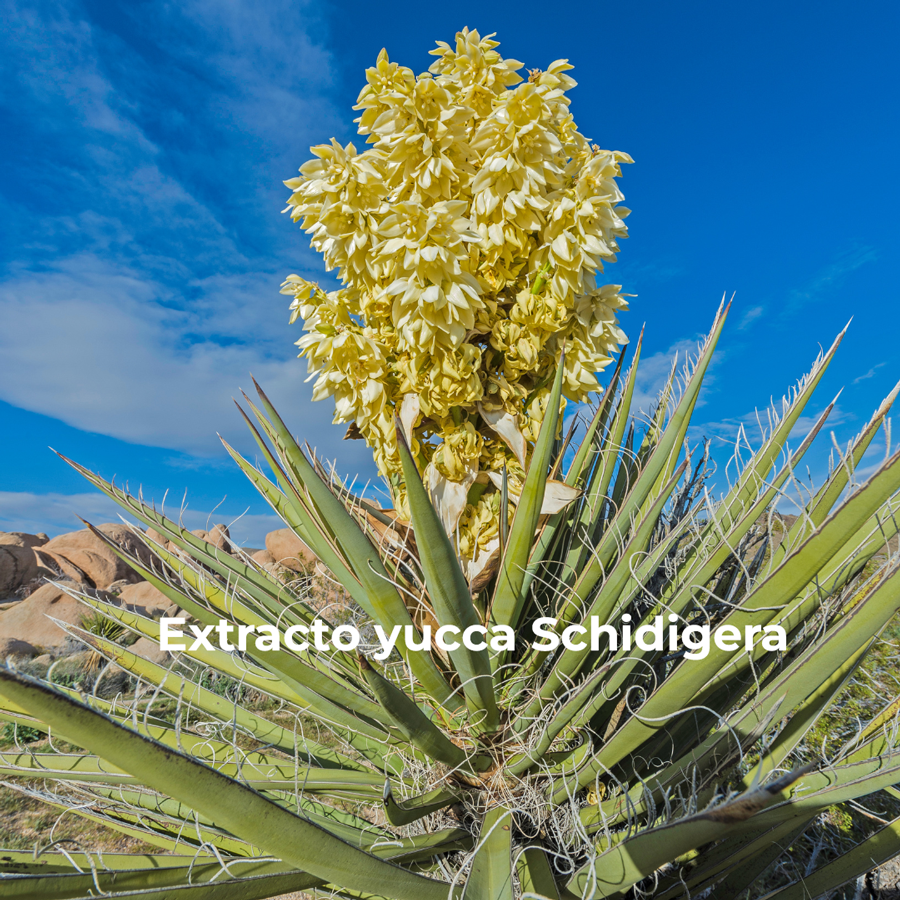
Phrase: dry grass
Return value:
(26, 823)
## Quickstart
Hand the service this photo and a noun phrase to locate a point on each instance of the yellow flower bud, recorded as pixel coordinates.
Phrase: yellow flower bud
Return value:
(460, 448)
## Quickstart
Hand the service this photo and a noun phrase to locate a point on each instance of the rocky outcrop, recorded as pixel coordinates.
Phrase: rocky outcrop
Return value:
(28, 562)
(15, 647)
(219, 537)
(85, 558)
(288, 550)
(30, 622)
(264, 558)
(21, 539)
(18, 563)
(145, 600)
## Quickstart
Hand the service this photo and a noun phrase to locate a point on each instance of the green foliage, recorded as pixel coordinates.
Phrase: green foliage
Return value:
(498, 773)
(94, 622)
(20, 734)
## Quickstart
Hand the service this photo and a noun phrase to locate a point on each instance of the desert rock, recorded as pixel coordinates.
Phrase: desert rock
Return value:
(21, 539)
(156, 537)
(288, 550)
(219, 537)
(83, 557)
(145, 599)
(149, 649)
(18, 565)
(28, 620)
(263, 557)
(15, 647)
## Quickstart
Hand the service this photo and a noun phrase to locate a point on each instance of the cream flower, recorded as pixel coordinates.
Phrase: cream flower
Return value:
(468, 237)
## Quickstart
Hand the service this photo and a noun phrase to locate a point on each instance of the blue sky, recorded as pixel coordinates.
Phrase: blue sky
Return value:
(142, 244)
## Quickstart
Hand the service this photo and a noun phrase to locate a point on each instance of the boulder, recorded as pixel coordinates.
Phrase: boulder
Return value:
(144, 599)
(150, 649)
(18, 565)
(267, 561)
(157, 538)
(15, 647)
(218, 536)
(60, 566)
(27, 621)
(22, 539)
(83, 556)
(289, 551)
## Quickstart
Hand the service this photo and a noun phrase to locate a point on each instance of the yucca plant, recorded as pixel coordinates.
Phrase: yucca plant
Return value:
(504, 771)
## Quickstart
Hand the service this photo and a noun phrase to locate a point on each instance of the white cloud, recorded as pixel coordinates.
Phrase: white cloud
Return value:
(94, 346)
(58, 514)
(832, 276)
(654, 370)
(145, 312)
(869, 374)
(758, 421)
(750, 317)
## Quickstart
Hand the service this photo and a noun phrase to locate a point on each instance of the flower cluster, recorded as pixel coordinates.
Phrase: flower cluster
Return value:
(468, 238)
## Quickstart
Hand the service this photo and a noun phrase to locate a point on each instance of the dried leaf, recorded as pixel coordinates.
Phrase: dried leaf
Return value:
(507, 427)
(448, 497)
(482, 569)
(557, 494)
(409, 412)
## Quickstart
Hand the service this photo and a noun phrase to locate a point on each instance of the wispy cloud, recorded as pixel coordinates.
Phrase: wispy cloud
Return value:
(144, 243)
(654, 371)
(103, 353)
(750, 317)
(759, 422)
(869, 374)
(832, 276)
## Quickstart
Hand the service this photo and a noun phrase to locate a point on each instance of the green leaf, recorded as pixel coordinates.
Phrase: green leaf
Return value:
(609, 453)
(608, 597)
(742, 859)
(259, 880)
(409, 811)
(692, 680)
(647, 479)
(491, 876)
(411, 722)
(751, 862)
(509, 598)
(384, 598)
(632, 859)
(536, 877)
(220, 708)
(753, 476)
(49, 861)
(236, 808)
(285, 676)
(258, 585)
(448, 591)
(881, 847)
(820, 505)
(590, 445)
